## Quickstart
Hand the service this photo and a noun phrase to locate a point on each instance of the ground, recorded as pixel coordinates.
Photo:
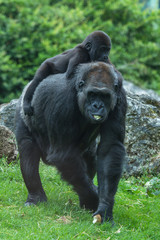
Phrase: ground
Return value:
(136, 213)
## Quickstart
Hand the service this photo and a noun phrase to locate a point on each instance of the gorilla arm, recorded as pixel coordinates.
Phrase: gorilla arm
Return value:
(110, 158)
(80, 55)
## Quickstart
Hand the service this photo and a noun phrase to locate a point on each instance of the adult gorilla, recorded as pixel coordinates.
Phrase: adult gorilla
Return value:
(68, 116)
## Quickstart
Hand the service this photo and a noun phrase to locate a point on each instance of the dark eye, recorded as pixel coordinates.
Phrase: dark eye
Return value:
(81, 84)
(91, 94)
(104, 49)
(116, 87)
(88, 46)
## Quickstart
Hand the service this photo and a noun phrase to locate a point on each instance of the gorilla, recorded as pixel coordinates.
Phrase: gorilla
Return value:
(96, 46)
(68, 117)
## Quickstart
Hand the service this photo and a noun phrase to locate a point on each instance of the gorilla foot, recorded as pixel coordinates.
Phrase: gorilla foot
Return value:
(89, 202)
(98, 219)
(28, 110)
(33, 199)
(105, 213)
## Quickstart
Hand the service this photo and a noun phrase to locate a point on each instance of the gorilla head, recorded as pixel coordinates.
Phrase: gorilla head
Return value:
(98, 45)
(97, 92)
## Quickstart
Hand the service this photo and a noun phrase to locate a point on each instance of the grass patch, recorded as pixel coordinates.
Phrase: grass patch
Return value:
(136, 213)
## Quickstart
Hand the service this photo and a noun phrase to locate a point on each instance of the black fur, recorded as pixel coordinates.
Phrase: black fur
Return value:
(68, 118)
(96, 46)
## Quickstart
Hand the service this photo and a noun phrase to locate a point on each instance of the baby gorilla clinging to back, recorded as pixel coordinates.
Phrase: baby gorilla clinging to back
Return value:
(95, 47)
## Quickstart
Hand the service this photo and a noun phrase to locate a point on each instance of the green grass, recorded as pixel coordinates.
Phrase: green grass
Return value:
(136, 214)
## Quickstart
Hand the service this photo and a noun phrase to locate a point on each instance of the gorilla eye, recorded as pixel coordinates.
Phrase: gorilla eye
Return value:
(116, 87)
(104, 49)
(81, 84)
(88, 46)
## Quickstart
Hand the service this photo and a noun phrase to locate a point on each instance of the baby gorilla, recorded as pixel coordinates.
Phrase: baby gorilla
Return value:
(95, 47)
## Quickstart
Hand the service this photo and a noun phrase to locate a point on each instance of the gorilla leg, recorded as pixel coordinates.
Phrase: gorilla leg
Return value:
(29, 162)
(44, 71)
(73, 170)
(90, 160)
(109, 173)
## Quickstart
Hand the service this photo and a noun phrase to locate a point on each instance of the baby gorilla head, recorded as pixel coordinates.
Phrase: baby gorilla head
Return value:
(97, 92)
(98, 45)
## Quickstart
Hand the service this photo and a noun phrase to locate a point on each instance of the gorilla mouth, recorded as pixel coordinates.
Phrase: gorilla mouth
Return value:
(97, 117)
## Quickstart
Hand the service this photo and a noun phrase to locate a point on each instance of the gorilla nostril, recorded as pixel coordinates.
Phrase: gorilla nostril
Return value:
(97, 106)
(105, 58)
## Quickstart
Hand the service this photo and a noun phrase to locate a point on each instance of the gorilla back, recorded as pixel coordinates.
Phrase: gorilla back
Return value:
(68, 116)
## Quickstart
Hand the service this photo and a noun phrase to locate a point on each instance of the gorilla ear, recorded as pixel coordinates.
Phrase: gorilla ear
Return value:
(81, 84)
(88, 46)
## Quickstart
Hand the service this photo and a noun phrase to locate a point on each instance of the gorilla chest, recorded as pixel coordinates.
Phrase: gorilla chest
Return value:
(79, 136)
(87, 137)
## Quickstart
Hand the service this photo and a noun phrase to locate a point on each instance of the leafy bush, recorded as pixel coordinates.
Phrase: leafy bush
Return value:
(32, 31)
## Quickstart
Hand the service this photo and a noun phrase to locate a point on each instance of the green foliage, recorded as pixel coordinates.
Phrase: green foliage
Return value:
(32, 31)
(135, 213)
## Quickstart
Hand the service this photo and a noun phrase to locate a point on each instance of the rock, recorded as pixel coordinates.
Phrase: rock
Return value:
(7, 144)
(142, 129)
(130, 87)
(142, 133)
(7, 112)
(153, 187)
(97, 219)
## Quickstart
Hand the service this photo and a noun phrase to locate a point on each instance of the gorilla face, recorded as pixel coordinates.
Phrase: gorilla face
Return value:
(97, 104)
(97, 94)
